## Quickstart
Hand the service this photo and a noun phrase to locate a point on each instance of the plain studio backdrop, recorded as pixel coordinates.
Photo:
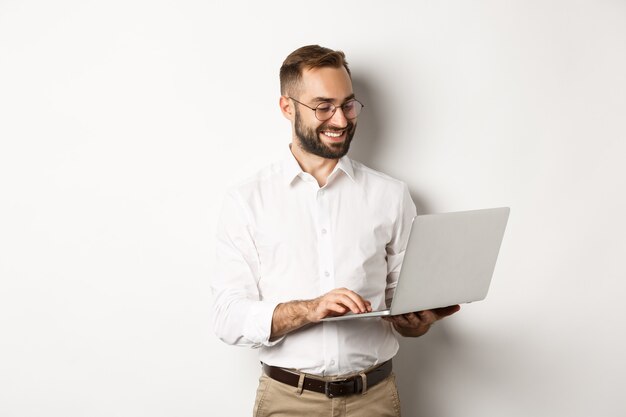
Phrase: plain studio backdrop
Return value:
(122, 123)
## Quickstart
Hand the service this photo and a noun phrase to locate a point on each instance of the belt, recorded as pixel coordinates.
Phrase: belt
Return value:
(335, 388)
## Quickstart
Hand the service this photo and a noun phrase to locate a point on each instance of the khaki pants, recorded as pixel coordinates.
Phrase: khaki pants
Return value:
(276, 399)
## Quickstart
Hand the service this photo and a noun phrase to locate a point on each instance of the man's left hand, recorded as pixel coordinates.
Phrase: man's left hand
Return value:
(418, 323)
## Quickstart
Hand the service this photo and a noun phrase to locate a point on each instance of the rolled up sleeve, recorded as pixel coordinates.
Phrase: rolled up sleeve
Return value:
(396, 247)
(240, 316)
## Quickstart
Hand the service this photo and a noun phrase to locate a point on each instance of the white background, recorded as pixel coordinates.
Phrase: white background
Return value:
(123, 122)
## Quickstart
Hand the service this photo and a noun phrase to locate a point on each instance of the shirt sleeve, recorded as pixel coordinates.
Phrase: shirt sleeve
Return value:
(240, 317)
(397, 245)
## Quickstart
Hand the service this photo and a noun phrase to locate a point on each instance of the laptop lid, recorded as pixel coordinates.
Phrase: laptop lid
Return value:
(450, 259)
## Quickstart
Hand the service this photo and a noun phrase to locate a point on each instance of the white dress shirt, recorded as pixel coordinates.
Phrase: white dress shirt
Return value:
(281, 238)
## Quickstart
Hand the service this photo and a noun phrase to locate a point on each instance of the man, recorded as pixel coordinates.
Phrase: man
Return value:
(312, 236)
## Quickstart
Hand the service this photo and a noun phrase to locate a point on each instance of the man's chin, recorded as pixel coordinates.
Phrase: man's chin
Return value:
(334, 146)
(338, 150)
(324, 148)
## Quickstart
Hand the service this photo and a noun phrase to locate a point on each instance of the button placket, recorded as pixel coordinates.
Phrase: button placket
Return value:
(324, 242)
(327, 279)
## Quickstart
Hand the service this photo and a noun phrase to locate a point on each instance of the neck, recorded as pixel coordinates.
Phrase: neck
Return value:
(320, 168)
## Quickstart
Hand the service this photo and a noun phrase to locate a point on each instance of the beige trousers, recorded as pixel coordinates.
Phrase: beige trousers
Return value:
(276, 399)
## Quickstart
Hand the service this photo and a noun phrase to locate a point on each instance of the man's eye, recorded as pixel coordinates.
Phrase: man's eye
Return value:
(325, 107)
(348, 106)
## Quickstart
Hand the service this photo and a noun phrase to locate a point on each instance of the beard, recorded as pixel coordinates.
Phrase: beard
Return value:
(310, 139)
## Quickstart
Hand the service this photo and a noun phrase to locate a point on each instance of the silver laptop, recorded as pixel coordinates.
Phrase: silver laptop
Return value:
(449, 260)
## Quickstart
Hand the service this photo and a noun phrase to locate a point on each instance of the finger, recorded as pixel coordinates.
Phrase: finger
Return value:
(427, 317)
(413, 320)
(390, 319)
(362, 304)
(326, 308)
(399, 320)
(335, 308)
(344, 301)
(353, 300)
(446, 311)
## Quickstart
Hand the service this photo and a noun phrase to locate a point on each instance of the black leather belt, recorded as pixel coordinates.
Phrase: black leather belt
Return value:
(334, 388)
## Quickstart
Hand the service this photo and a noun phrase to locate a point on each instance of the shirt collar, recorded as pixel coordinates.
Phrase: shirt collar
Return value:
(345, 164)
(291, 168)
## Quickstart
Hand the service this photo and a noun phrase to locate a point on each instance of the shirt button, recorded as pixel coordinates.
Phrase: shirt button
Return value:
(326, 273)
(332, 362)
(321, 193)
(323, 231)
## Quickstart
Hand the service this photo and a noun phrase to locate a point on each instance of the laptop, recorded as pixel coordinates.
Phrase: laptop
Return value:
(449, 259)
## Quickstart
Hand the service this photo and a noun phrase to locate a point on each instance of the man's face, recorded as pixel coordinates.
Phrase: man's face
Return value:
(331, 138)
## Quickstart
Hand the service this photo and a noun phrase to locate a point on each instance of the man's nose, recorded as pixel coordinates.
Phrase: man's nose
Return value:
(339, 119)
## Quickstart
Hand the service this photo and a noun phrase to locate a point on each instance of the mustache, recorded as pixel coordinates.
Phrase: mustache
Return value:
(325, 128)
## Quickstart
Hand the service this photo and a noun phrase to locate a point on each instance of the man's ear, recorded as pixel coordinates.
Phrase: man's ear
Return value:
(286, 107)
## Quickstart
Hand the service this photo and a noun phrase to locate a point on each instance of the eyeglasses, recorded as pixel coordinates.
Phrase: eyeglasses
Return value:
(324, 111)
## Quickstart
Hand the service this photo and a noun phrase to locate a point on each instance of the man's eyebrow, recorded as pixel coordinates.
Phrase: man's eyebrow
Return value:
(327, 99)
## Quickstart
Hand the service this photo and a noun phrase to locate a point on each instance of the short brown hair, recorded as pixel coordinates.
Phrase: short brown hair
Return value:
(307, 57)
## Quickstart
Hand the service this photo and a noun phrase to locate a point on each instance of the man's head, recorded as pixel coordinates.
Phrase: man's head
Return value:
(307, 57)
(313, 77)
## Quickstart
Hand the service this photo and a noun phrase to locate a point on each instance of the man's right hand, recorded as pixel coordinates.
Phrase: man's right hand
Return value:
(291, 316)
(336, 303)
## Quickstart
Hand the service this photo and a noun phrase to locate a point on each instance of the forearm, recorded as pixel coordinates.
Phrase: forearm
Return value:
(290, 316)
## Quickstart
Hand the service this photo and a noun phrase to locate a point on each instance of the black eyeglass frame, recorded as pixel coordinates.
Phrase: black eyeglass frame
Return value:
(334, 108)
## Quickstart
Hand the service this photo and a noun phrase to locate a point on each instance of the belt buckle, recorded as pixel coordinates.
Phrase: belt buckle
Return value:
(338, 383)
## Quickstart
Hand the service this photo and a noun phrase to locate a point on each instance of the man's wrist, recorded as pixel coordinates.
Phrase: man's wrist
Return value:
(291, 316)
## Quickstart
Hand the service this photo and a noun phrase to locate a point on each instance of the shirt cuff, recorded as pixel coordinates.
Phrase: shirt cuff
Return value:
(258, 326)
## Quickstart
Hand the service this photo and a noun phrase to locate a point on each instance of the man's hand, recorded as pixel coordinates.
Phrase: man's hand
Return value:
(295, 314)
(417, 324)
(336, 303)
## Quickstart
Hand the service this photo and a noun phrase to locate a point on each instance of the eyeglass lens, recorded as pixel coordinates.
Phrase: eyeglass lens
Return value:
(351, 110)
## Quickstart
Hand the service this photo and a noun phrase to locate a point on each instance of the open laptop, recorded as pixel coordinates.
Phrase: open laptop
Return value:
(450, 259)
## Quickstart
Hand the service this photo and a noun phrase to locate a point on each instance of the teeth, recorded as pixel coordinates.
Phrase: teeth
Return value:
(333, 134)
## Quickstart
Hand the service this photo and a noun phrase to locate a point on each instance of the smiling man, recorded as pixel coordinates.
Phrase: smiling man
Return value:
(316, 235)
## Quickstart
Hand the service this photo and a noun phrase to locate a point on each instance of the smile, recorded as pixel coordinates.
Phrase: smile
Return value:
(333, 134)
